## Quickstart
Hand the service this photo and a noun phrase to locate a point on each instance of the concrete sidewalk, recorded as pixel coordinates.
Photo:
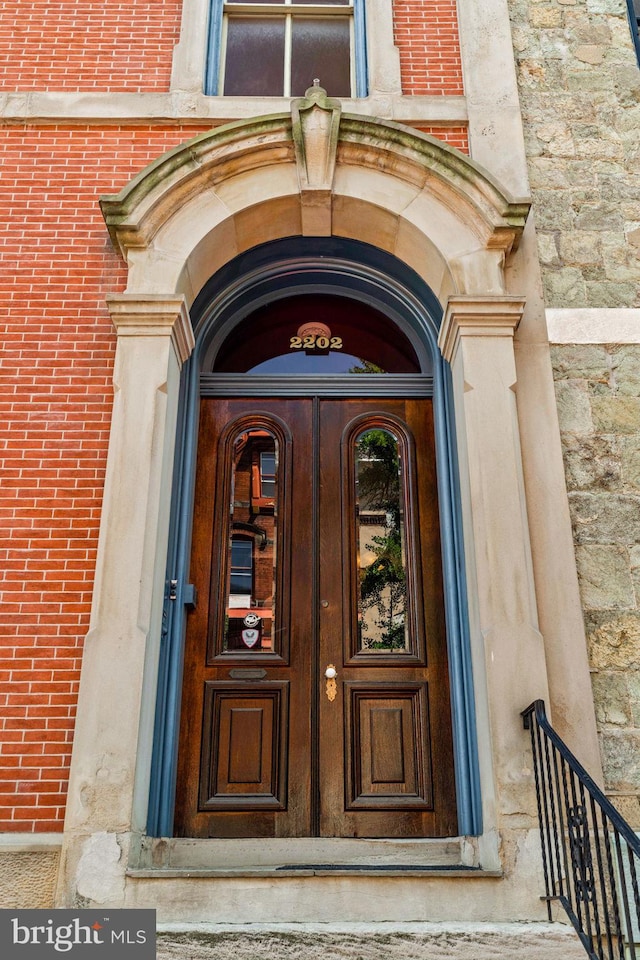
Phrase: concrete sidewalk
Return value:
(411, 941)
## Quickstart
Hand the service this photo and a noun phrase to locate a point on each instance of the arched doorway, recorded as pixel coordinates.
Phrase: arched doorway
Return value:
(382, 751)
(414, 229)
(315, 695)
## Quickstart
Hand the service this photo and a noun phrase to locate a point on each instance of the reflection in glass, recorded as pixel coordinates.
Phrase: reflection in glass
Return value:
(380, 540)
(299, 362)
(251, 557)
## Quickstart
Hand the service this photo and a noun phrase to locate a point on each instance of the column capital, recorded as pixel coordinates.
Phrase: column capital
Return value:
(154, 315)
(470, 316)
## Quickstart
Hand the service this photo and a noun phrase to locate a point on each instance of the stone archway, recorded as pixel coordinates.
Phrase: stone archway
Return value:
(313, 172)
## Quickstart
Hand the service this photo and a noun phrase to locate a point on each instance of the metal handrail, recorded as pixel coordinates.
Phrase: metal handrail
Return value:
(590, 854)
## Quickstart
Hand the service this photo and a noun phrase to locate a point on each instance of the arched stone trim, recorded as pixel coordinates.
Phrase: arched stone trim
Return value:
(315, 171)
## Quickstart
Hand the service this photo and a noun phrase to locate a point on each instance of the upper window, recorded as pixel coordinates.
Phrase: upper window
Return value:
(262, 48)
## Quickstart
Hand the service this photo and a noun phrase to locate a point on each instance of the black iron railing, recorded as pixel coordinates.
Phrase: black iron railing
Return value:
(590, 855)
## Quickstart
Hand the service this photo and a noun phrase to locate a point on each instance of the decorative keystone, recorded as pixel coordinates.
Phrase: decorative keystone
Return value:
(315, 120)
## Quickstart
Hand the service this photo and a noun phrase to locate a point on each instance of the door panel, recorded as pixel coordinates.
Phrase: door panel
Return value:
(388, 762)
(243, 762)
(317, 519)
(244, 757)
(392, 709)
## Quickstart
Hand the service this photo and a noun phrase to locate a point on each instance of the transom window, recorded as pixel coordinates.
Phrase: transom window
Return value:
(344, 336)
(279, 47)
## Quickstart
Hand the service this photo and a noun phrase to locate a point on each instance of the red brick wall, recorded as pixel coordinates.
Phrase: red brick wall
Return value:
(87, 44)
(454, 136)
(118, 45)
(56, 266)
(426, 34)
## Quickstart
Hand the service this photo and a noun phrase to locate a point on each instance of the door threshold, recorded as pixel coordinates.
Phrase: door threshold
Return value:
(304, 856)
(301, 871)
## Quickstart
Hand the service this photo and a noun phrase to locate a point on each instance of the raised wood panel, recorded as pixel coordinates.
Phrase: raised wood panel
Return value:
(388, 755)
(244, 746)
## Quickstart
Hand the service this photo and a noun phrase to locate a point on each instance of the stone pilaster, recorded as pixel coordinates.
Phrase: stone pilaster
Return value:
(477, 340)
(108, 786)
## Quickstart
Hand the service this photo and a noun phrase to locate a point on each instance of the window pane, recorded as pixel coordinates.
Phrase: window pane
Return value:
(254, 64)
(268, 475)
(241, 566)
(381, 543)
(321, 49)
(251, 561)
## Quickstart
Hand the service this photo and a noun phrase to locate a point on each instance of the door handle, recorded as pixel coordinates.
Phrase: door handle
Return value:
(331, 673)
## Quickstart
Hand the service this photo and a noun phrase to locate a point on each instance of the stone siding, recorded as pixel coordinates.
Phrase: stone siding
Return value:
(598, 391)
(425, 941)
(28, 880)
(579, 86)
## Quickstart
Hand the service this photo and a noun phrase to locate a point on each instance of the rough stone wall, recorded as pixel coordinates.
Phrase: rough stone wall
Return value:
(579, 86)
(598, 392)
(28, 880)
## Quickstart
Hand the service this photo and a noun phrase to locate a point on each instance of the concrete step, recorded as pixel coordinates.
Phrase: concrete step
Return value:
(382, 941)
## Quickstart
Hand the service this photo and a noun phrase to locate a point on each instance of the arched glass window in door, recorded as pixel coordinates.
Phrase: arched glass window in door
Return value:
(253, 528)
(381, 542)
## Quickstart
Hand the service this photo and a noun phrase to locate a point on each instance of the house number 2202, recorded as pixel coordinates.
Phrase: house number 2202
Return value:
(314, 342)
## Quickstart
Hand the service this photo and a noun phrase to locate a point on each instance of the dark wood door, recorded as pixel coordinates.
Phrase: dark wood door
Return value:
(315, 695)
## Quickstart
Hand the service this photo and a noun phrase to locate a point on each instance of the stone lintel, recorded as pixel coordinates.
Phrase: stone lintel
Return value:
(154, 315)
(471, 316)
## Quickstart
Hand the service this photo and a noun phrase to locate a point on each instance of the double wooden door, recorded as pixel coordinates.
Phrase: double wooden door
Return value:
(315, 695)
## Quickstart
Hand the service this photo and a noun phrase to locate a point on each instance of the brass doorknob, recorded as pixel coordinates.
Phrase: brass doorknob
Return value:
(331, 673)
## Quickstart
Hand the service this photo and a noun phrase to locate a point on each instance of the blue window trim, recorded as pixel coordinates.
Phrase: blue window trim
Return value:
(634, 18)
(360, 45)
(347, 266)
(214, 42)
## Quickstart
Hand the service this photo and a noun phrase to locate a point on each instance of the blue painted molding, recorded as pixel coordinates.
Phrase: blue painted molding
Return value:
(214, 44)
(633, 10)
(277, 270)
(360, 51)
